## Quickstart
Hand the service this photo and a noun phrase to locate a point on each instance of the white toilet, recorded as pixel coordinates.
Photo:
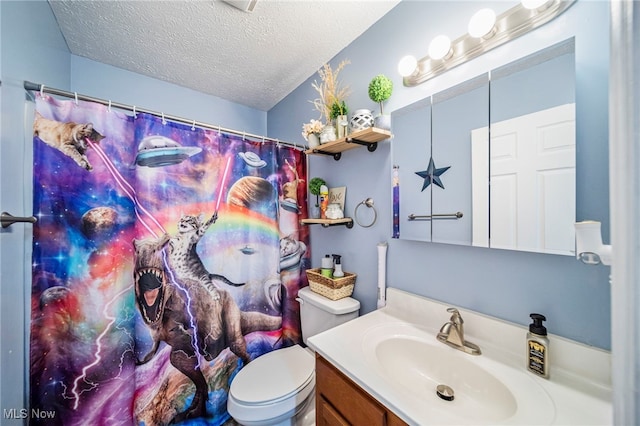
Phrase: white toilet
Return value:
(278, 388)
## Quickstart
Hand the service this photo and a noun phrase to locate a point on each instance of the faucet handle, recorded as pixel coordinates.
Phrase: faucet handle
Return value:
(455, 315)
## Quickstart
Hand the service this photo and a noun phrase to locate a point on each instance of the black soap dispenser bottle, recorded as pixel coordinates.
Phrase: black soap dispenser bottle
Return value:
(538, 347)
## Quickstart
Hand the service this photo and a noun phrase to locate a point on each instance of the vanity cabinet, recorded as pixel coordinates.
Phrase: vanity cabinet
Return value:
(339, 401)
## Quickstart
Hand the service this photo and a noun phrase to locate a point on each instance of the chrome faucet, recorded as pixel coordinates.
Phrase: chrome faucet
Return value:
(452, 334)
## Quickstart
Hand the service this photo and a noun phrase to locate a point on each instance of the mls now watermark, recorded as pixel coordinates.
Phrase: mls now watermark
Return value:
(23, 413)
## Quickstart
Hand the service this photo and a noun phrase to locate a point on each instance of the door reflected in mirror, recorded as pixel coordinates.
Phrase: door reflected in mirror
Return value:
(532, 203)
(509, 140)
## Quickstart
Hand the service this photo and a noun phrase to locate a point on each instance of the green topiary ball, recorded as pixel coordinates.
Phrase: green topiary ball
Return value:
(315, 184)
(380, 88)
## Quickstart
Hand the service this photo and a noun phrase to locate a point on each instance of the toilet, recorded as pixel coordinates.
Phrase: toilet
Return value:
(278, 388)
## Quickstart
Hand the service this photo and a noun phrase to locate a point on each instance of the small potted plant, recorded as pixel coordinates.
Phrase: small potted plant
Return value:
(380, 89)
(314, 188)
(339, 111)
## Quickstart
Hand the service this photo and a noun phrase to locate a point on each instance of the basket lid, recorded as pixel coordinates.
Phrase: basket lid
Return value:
(345, 305)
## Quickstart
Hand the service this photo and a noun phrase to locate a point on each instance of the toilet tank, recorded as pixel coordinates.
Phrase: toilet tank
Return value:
(318, 313)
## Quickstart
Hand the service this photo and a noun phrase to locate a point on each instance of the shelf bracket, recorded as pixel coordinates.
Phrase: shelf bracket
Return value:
(371, 146)
(336, 156)
(349, 224)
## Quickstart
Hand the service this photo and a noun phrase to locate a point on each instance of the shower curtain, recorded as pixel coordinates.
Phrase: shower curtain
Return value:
(165, 257)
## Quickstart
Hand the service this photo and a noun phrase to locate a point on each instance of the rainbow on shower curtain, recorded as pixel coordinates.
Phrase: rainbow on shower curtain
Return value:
(165, 258)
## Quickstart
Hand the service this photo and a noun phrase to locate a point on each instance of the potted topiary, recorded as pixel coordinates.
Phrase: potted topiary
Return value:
(314, 188)
(380, 89)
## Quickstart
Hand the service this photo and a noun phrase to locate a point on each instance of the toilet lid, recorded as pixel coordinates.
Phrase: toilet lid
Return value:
(274, 376)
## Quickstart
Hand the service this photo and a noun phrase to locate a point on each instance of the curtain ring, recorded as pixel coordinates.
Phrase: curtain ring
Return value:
(164, 122)
(109, 108)
(42, 91)
(76, 96)
(193, 126)
(369, 203)
(134, 112)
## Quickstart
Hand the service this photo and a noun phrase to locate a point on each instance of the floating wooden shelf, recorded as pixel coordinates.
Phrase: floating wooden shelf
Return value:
(347, 221)
(368, 137)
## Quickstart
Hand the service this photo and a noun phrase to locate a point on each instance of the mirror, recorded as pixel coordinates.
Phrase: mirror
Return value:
(508, 138)
(412, 129)
(456, 113)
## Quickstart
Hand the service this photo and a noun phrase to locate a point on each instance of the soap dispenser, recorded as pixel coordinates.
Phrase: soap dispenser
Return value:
(337, 266)
(538, 347)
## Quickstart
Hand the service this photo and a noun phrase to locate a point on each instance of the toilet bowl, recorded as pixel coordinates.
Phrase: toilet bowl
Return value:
(278, 388)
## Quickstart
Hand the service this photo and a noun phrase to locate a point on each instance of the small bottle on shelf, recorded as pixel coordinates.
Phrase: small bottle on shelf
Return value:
(324, 201)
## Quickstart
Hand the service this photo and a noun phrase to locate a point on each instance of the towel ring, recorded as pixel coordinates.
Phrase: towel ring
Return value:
(369, 203)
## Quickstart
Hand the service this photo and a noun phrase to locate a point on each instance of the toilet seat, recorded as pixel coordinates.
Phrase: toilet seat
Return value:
(273, 376)
(273, 386)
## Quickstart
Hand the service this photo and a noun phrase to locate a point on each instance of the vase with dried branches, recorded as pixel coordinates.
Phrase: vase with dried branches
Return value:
(332, 94)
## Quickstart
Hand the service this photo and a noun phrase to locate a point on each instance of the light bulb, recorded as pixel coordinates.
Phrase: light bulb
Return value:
(407, 65)
(534, 4)
(482, 23)
(439, 47)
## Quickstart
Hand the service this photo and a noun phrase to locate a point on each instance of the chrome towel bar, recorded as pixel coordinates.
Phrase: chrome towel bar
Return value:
(456, 215)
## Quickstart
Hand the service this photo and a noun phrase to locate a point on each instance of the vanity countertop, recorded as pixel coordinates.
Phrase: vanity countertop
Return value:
(577, 392)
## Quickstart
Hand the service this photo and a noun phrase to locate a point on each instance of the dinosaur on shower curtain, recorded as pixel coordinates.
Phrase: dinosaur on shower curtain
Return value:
(165, 258)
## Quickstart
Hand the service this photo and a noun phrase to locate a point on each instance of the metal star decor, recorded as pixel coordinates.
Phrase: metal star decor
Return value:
(432, 175)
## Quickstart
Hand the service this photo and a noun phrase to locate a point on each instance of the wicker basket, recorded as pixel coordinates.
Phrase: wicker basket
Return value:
(334, 289)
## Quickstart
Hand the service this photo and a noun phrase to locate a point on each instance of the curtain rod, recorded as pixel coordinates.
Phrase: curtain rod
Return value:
(35, 87)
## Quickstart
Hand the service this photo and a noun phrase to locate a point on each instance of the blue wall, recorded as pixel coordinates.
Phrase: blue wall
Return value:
(32, 48)
(106, 82)
(504, 284)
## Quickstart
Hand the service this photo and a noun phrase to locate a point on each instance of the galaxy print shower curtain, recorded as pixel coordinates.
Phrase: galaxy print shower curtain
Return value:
(165, 257)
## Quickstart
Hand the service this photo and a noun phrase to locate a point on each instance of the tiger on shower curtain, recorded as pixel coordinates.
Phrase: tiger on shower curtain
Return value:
(165, 258)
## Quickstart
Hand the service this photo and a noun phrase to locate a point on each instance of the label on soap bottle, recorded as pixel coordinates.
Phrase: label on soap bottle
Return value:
(537, 357)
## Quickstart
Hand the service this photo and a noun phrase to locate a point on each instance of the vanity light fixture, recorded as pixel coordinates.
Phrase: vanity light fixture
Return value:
(482, 24)
(535, 4)
(407, 65)
(483, 36)
(440, 48)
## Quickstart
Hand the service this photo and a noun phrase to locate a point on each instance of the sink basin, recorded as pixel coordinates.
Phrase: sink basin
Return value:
(484, 391)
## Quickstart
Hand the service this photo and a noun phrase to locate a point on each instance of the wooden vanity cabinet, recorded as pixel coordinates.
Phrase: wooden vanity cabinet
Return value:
(340, 402)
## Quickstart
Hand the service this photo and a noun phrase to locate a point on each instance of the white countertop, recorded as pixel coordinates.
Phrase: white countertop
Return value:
(579, 387)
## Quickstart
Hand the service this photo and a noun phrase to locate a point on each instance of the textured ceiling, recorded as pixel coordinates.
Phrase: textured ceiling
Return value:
(254, 59)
